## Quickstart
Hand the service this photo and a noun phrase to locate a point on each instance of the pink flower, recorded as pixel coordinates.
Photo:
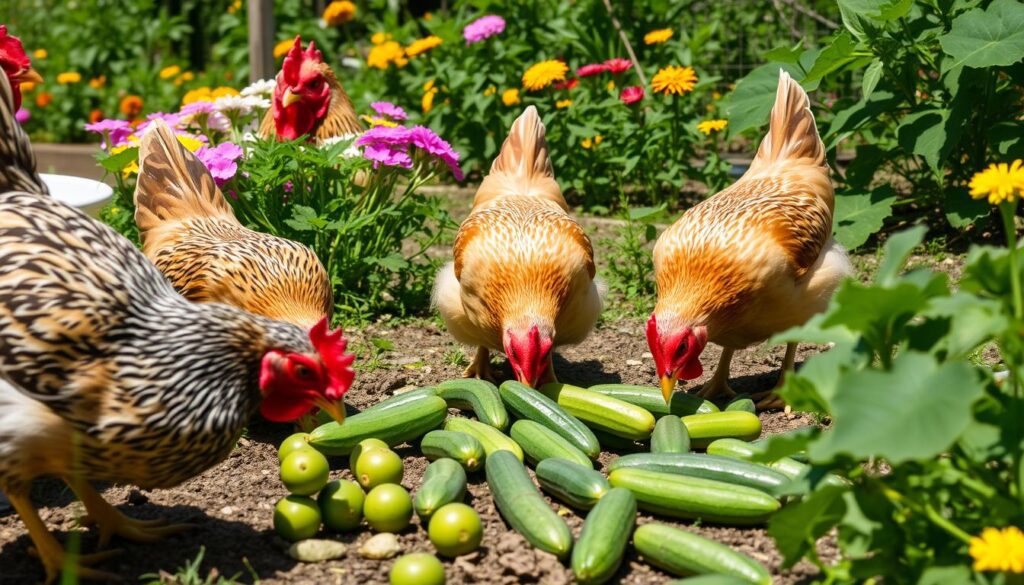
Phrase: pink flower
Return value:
(425, 139)
(390, 110)
(22, 115)
(618, 65)
(591, 69)
(204, 113)
(568, 84)
(631, 95)
(390, 147)
(114, 131)
(221, 161)
(482, 28)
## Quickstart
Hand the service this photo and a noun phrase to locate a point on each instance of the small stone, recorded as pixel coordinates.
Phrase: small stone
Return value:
(227, 510)
(380, 546)
(427, 369)
(634, 363)
(647, 355)
(316, 550)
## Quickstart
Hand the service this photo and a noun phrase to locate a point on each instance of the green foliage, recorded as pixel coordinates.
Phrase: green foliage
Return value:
(190, 574)
(630, 264)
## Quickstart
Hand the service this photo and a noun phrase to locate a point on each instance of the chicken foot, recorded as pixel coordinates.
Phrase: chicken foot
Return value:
(112, 522)
(51, 553)
(481, 366)
(718, 385)
(770, 400)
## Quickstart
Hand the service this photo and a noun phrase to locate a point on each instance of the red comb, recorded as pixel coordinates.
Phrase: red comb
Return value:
(295, 57)
(12, 55)
(331, 347)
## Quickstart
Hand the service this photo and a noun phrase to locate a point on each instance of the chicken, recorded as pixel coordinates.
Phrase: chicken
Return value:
(17, 160)
(189, 231)
(16, 65)
(523, 277)
(107, 374)
(309, 100)
(753, 260)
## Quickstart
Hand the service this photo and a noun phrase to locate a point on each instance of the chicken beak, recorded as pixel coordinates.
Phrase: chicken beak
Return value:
(668, 385)
(29, 75)
(290, 98)
(336, 410)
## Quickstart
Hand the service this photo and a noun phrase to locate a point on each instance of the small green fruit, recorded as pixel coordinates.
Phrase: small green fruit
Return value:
(341, 504)
(292, 443)
(296, 518)
(388, 508)
(379, 466)
(362, 447)
(417, 569)
(305, 471)
(455, 529)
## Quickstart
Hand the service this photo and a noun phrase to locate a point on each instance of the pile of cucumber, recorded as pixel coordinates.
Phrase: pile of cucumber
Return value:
(561, 430)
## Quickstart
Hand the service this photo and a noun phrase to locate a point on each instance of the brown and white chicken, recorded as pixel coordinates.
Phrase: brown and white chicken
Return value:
(190, 232)
(753, 260)
(107, 374)
(523, 277)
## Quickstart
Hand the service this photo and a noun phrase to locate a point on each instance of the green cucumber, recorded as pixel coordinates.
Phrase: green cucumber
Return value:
(523, 507)
(606, 531)
(670, 436)
(540, 443)
(694, 497)
(444, 482)
(602, 412)
(705, 428)
(577, 485)
(733, 471)
(651, 399)
(525, 402)
(490, 438)
(400, 399)
(685, 553)
(396, 425)
(464, 448)
(741, 403)
(610, 442)
(480, 396)
(710, 580)
(791, 468)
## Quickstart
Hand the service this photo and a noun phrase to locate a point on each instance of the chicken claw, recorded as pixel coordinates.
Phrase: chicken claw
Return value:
(481, 366)
(718, 385)
(112, 522)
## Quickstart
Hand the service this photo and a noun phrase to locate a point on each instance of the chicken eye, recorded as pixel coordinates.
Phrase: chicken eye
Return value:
(302, 371)
(314, 83)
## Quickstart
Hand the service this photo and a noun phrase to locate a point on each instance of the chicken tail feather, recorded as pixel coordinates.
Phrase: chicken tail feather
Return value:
(17, 160)
(792, 134)
(523, 167)
(173, 184)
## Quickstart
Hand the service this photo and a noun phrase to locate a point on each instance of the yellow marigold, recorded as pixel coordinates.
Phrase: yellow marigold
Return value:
(999, 550)
(69, 77)
(674, 80)
(429, 91)
(588, 143)
(710, 126)
(27, 86)
(169, 72)
(339, 12)
(491, 90)
(98, 82)
(200, 94)
(378, 121)
(560, 104)
(130, 168)
(383, 55)
(422, 45)
(544, 74)
(611, 86)
(190, 143)
(510, 97)
(656, 37)
(999, 182)
(428, 16)
(223, 92)
(40, 54)
(131, 105)
(281, 49)
(235, 7)
(379, 38)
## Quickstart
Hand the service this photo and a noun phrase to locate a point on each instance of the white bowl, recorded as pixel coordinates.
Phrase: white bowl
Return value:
(86, 194)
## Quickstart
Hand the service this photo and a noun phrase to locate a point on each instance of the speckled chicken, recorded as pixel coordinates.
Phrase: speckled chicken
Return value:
(753, 260)
(523, 277)
(190, 232)
(107, 374)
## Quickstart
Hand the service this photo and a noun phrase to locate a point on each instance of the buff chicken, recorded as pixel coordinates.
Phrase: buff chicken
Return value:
(751, 261)
(309, 100)
(523, 277)
(109, 375)
(190, 232)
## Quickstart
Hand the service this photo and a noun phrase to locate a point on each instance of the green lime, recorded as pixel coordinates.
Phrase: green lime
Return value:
(292, 443)
(417, 569)
(296, 518)
(364, 445)
(341, 503)
(455, 529)
(379, 466)
(305, 471)
(388, 508)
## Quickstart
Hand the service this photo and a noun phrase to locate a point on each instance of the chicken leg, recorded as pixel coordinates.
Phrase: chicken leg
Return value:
(112, 522)
(718, 385)
(481, 366)
(51, 553)
(769, 400)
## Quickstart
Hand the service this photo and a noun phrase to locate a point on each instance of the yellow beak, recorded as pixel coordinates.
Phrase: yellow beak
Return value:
(28, 75)
(336, 410)
(668, 385)
(290, 98)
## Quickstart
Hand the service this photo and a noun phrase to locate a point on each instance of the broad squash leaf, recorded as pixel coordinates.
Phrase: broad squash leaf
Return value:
(895, 253)
(986, 38)
(751, 102)
(858, 215)
(838, 53)
(797, 527)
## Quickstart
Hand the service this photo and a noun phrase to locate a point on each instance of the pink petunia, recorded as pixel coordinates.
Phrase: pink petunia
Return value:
(424, 138)
(591, 69)
(221, 161)
(390, 110)
(117, 131)
(618, 65)
(631, 95)
(483, 28)
(22, 115)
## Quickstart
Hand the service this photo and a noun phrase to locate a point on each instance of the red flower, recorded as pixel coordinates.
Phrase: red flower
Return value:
(631, 95)
(591, 69)
(618, 65)
(568, 84)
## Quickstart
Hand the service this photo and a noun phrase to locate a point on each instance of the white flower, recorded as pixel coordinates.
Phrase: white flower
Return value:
(241, 104)
(261, 87)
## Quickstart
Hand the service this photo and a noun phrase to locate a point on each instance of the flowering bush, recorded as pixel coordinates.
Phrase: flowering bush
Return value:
(354, 200)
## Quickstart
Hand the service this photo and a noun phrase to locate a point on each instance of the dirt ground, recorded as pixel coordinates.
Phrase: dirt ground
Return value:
(231, 504)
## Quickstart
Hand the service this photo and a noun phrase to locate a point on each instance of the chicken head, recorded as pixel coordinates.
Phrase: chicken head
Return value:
(302, 95)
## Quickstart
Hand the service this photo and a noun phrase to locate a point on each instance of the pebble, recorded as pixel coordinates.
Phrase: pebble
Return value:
(316, 550)
(634, 363)
(227, 510)
(380, 546)
(647, 355)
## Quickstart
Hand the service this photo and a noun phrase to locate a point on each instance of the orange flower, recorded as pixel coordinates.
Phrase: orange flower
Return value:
(131, 105)
(43, 99)
(27, 86)
(281, 49)
(339, 12)
(98, 82)
(95, 116)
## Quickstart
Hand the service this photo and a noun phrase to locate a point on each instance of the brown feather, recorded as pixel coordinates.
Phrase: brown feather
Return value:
(17, 159)
(523, 166)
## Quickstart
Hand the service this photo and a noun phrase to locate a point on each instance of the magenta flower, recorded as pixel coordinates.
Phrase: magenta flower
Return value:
(114, 131)
(591, 69)
(390, 110)
(22, 115)
(173, 120)
(390, 147)
(483, 28)
(631, 95)
(388, 155)
(618, 65)
(204, 113)
(221, 161)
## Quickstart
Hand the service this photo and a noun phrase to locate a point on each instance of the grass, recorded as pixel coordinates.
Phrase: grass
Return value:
(190, 574)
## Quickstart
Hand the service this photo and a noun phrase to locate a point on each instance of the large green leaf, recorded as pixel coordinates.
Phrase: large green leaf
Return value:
(932, 133)
(961, 210)
(956, 325)
(866, 110)
(895, 253)
(838, 53)
(862, 17)
(986, 38)
(859, 215)
(751, 102)
(797, 527)
(915, 411)
(871, 76)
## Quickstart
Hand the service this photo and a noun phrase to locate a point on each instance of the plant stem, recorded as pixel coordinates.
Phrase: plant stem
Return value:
(1006, 209)
(931, 513)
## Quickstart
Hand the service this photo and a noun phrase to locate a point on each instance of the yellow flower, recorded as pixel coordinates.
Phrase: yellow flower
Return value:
(656, 37)
(544, 74)
(560, 104)
(223, 91)
(169, 72)
(379, 38)
(491, 90)
(423, 45)
(69, 77)
(190, 143)
(429, 91)
(588, 143)
(339, 12)
(130, 168)
(200, 94)
(999, 182)
(716, 95)
(427, 16)
(611, 85)
(40, 54)
(709, 126)
(281, 49)
(235, 7)
(98, 82)
(999, 550)
(378, 121)
(674, 80)
(386, 53)
(27, 86)
(510, 97)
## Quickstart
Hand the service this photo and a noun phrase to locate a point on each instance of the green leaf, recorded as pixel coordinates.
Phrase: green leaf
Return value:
(785, 54)
(958, 324)
(751, 102)
(115, 162)
(776, 447)
(813, 388)
(797, 527)
(895, 253)
(962, 210)
(871, 76)
(931, 133)
(863, 112)
(305, 219)
(862, 17)
(986, 38)
(943, 575)
(838, 53)
(881, 314)
(645, 213)
(859, 215)
(393, 262)
(915, 411)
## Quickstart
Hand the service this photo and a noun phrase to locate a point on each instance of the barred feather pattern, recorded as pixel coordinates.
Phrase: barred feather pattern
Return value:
(119, 374)
(17, 160)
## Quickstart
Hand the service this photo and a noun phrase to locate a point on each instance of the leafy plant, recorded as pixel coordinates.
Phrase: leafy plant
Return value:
(630, 265)
(190, 574)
